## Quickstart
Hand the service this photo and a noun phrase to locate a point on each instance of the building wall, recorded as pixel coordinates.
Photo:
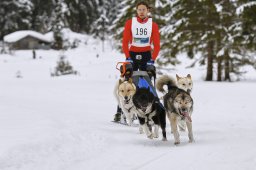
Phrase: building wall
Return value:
(30, 43)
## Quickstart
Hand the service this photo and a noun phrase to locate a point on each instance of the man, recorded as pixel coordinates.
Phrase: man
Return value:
(139, 33)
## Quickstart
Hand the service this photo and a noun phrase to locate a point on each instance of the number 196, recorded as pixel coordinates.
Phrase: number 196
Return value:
(141, 31)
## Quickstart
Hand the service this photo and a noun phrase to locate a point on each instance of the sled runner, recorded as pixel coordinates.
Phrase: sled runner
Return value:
(125, 124)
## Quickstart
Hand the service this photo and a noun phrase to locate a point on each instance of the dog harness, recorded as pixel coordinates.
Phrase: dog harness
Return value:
(147, 116)
(144, 84)
(129, 109)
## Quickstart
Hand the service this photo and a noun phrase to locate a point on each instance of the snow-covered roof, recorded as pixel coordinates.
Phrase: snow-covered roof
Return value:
(18, 35)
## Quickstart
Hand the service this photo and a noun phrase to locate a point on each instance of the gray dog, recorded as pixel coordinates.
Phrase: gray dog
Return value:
(178, 104)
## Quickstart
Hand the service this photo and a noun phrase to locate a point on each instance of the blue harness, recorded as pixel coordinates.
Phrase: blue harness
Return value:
(144, 84)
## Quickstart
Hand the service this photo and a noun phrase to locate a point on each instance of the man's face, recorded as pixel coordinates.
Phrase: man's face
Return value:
(142, 11)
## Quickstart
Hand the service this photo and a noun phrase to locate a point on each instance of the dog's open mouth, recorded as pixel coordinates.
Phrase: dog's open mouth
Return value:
(186, 115)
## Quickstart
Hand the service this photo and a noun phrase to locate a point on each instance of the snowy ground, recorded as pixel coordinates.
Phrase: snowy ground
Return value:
(63, 123)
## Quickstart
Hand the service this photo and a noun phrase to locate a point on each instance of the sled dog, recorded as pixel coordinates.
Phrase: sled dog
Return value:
(124, 91)
(150, 113)
(186, 84)
(178, 105)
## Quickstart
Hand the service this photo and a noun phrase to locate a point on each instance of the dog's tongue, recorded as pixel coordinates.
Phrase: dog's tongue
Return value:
(185, 114)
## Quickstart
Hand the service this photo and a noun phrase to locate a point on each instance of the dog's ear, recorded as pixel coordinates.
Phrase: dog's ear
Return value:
(177, 77)
(189, 76)
(130, 80)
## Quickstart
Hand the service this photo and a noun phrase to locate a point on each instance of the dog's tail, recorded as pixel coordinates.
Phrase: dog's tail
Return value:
(165, 80)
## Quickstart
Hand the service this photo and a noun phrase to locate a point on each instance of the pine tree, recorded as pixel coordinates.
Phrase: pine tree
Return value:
(58, 25)
(42, 14)
(212, 28)
(108, 11)
(246, 10)
(234, 36)
(99, 26)
(81, 14)
(191, 29)
(226, 35)
(15, 15)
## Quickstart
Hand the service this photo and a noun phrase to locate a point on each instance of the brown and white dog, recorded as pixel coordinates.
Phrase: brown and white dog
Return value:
(124, 92)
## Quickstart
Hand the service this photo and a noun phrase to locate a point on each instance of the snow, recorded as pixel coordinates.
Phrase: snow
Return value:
(18, 35)
(221, 52)
(240, 9)
(218, 7)
(68, 35)
(63, 123)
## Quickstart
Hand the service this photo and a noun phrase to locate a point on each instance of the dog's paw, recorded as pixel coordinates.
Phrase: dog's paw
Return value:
(129, 122)
(164, 139)
(156, 135)
(176, 142)
(191, 141)
(141, 130)
(150, 136)
(191, 138)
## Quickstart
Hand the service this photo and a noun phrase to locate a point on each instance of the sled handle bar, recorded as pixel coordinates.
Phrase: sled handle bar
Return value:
(124, 67)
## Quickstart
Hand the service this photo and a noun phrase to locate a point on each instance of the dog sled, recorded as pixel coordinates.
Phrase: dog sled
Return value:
(141, 79)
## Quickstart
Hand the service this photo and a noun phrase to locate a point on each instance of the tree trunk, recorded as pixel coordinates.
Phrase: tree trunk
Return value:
(219, 71)
(209, 61)
(227, 66)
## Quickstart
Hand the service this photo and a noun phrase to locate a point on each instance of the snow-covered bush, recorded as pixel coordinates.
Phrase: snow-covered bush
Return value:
(63, 67)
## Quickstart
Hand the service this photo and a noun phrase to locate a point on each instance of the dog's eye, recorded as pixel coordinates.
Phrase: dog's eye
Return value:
(122, 90)
(184, 84)
(189, 83)
(128, 90)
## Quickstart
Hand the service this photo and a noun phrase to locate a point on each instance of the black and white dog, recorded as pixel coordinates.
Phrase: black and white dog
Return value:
(150, 113)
